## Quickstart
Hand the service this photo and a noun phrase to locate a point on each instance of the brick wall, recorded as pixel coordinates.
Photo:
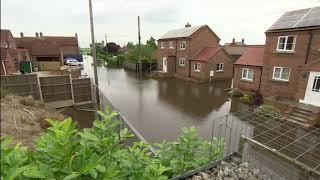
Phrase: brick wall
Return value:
(294, 60)
(243, 84)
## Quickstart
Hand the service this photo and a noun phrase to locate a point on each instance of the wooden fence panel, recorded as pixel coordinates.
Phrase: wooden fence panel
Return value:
(82, 90)
(22, 85)
(56, 88)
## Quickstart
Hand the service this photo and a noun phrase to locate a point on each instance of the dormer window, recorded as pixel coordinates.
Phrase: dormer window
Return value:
(286, 43)
(183, 45)
(162, 45)
(171, 45)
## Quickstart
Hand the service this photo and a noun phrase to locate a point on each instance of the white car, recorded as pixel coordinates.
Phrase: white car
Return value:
(73, 62)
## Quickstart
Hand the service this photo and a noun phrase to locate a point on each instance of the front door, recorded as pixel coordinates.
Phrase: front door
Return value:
(312, 95)
(164, 64)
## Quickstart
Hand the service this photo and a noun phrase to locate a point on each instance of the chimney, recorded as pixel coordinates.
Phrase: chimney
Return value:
(37, 34)
(21, 34)
(233, 40)
(76, 35)
(40, 34)
(242, 40)
(187, 25)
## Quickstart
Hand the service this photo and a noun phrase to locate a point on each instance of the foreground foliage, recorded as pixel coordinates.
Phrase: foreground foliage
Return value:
(64, 152)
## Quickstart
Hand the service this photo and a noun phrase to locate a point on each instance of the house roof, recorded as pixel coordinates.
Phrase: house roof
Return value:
(235, 50)
(46, 45)
(206, 53)
(309, 17)
(181, 33)
(252, 56)
(6, 37)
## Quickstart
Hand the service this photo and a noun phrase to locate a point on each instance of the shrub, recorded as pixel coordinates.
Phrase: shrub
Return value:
(267, 111)
(235, 92)
(246, 98)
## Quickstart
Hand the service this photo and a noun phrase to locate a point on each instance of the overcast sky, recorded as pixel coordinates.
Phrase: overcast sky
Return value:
(247, 19)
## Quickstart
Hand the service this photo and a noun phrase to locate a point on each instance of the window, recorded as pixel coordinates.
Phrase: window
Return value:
(171, 45)
(219, 67)
(316, 84)
(281, 73)
(183, 45)
(247, 74)
(162, 45)
(286, 43)
(197, 67)
(182, 61)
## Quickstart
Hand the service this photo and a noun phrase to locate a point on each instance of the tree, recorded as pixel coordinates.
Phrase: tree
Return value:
(130, 45)
(152, 43)
(112, 48)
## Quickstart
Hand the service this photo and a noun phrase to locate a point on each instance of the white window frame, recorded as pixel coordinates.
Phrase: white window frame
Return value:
(247, 75)
(171, 45)
(281, 69)
(285, 43)
(162, 46)
(182, 61)
(197, 67)
(183, 45)
(221, 67)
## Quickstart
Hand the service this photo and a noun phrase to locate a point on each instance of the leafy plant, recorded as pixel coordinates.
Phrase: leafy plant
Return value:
(189, 152)
(246, 98)
(267, 111)
(63, 152)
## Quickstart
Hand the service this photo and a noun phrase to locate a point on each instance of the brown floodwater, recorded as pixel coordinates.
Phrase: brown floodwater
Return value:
(158, 109)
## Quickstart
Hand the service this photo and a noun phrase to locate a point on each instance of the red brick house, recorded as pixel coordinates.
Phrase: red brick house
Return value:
(46, 50)
(291, 63)
(248, 69)
(11, 56)
(193, 52)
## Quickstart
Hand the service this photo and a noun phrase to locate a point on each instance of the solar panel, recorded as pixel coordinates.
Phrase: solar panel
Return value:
(298, 18)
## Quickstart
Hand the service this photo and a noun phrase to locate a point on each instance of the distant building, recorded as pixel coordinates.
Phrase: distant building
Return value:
(248, 69)
(235, 49)
(49, 48)
(291, 64)
(193, 52)
(48, 52)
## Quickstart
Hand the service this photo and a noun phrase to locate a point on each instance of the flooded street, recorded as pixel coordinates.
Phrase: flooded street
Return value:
(158, 109)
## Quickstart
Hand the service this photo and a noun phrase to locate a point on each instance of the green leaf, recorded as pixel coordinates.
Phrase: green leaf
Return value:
(72, 176)
(101, 168)
(33, 172)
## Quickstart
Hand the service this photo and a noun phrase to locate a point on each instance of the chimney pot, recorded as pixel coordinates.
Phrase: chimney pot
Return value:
(21, 34)
(187, 25)
(233, 40)
(37, 34)
(76, 35)
(41, 34)
(242, 40)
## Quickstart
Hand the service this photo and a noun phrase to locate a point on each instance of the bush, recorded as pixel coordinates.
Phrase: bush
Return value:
(235, 92)
(121, 58)
(246, 98)
(64, 152)
(267, 111)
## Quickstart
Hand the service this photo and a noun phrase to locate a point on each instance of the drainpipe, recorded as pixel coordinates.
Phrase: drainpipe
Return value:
(260, 79)
(189, 59)
(308, 48)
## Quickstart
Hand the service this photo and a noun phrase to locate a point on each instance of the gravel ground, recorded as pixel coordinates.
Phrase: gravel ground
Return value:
(231, 170)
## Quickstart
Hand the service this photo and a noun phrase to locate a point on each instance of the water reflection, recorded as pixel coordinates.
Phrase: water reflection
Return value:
(158, 109)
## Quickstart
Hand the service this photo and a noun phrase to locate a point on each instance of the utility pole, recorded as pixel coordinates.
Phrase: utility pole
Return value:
(106, 42)
(139, 48)
(94, 56)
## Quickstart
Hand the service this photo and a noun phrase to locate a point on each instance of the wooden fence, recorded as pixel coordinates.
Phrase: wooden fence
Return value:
(22, 85)
(49, 89)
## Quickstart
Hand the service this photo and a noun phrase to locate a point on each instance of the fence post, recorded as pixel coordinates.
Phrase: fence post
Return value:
(71, 86)
(39, 87)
